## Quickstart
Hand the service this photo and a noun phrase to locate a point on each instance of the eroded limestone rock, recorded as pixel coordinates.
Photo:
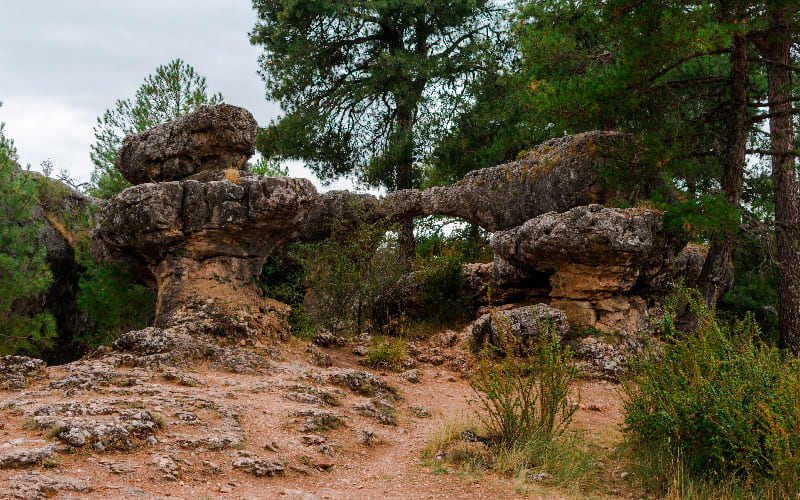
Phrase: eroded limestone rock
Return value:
(16, 372)
(202, 245)
(24, 452)
(556, 176)
(40, 486)
(600, 262)
(211, 138)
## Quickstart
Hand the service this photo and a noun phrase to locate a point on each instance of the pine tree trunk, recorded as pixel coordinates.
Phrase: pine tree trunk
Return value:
(714, 280)
(775, 48)
(404, 172)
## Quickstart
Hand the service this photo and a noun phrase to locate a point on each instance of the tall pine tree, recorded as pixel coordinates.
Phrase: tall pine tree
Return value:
(366, 84)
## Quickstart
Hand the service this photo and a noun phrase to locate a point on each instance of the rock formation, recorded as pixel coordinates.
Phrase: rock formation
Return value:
(201, 235)
(525, 325)
(558, 175)
(600, 262)
(211, 139)
(201, 243)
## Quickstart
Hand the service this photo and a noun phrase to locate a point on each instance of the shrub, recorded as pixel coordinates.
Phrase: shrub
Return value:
(350, 274)
(527, 397)
(441, 288)
(720, 402)
(113, 302)
(387, 354)
(525, 403)
(283, 278)
(107, 293)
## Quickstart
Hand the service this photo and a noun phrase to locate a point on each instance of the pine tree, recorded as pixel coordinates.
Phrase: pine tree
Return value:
(367, 85)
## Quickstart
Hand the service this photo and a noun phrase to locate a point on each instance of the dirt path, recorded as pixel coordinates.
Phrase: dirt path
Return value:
(218, 424)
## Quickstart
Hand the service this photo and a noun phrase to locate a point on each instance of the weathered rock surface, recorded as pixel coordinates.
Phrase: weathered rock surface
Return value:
(257, 466)
(201, 238)
(155, 347)
(600, 262)
(211, 138)
(558, 175)
(202, 245)
(606, 359)
(39, 486)
(523, 325)
(16, 372)
(588, 236)
(24, 452)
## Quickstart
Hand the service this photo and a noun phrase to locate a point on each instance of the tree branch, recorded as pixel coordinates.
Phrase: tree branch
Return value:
(685, 59)
(772, 152)
(767, 116)
(691, 82)
(456, 44)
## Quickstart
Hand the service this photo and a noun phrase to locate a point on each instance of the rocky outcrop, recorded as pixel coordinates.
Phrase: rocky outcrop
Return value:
(601, 262)
(16, 372)
(556, 176)
(21, 453)
(200, 237)
(201, 244)
(210, 139)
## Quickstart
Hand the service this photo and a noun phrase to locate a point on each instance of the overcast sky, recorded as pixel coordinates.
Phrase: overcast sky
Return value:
(63, 63)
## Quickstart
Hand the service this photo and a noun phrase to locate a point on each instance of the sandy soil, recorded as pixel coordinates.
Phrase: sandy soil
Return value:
(322, 463)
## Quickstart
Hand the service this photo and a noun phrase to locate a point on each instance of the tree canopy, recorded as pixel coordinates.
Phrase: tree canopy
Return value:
(366, 84)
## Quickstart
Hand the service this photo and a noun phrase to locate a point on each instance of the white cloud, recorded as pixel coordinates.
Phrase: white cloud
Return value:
(65, 63)
(45, 127)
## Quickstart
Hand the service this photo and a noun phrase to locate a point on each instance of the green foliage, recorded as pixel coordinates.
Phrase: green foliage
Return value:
(283, 278)
(174, 90)
(366, 84)
(114, 303)
(441, 288)
(107, 293)
(525, 397)
(386, 354)
(720, 402)
(267, 167)
(439, 235)
(703, 217)
(351, 275)
(23, 269)
(525, 405)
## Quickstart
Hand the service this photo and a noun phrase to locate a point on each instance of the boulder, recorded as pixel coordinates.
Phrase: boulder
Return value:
(16, 372)
(211, 138)
(600, 262)
(525, 325)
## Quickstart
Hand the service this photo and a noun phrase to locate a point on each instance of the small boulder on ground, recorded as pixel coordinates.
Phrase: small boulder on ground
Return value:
(16, 372)
(524, 324)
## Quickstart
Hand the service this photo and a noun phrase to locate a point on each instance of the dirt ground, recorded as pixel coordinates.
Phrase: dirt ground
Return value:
(216, 419)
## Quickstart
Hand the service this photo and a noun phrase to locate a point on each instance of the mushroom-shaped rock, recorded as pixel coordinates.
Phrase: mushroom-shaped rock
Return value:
(211, 138)
(202, 246)
(558, 175)
(599, 260)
